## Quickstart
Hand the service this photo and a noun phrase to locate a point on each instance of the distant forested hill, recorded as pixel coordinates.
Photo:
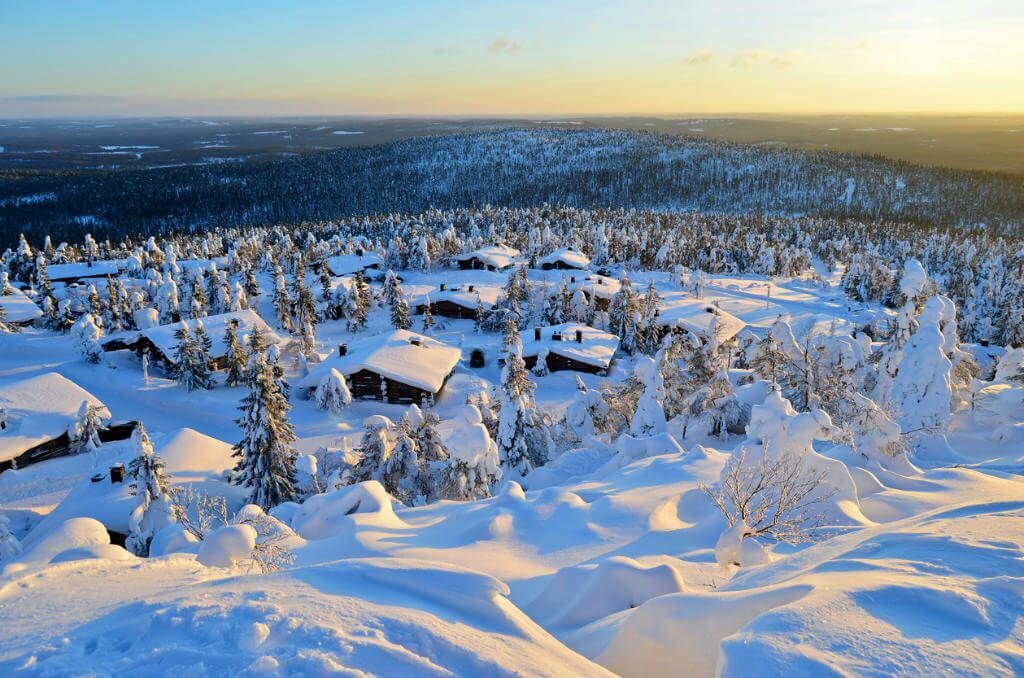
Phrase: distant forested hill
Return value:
(583, 168)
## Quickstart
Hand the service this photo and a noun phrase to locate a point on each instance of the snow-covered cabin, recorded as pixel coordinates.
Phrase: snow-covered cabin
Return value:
(350, 264)
(566, 259)
(400, 367)
(190, 458)
(601, 288)
(491, 258)
(85, 270)
(697, 316)
(160, 342)
(458, 301)
(19, 309)
(37, 414)
(570, 346)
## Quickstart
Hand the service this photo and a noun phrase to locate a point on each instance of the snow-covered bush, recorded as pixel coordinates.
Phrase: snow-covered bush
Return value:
(332, 394)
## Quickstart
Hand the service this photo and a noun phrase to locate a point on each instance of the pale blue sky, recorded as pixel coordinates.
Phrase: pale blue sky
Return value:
(460, 57)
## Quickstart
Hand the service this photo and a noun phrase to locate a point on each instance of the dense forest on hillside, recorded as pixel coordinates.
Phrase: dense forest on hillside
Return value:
(580, 168)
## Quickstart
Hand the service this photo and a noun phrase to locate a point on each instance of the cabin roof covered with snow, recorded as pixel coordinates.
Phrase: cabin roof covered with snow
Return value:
(498, 256)
(81, 269)
(597, 347)
(163, 336)
(600, 286)
(460, 294)
(39, 409)
(568, 256)
(395, 357)
(18, 308)
(348, 264)
(696, 315)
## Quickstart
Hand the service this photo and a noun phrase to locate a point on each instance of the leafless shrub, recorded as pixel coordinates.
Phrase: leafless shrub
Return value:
(776, 497)
(198, 512)
(271, 552)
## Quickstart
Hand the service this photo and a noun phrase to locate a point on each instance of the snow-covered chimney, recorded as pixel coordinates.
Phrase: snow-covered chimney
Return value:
(579, 336)
(470, 288)
(536, 334)
(415, 341)
(342, 350)
(117, 473)
(443, 287)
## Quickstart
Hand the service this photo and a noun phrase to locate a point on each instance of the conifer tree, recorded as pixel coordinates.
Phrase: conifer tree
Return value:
(428, 317)
(84, 434)
(87, 335)
(332, 393)
(515, 416)
(149, 485)
(235, 356)
(266, 457)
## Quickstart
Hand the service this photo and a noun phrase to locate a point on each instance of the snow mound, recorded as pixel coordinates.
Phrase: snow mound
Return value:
(227, 546)
(76, 533)
(324, 515)
(576, 596)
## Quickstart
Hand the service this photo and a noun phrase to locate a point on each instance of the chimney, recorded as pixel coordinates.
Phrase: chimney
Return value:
(579, 336)
(117, 473)
(470, 288)
(342, 350)
(443, 287)
(536, 334)
(415, 341)
(556, 337)
(572, 279)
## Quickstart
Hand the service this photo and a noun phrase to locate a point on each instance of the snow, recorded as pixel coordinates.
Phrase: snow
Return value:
(98, 269)
(163, 336)
(463, 294)
(424, 364)
(40, 409)
(348, 264)
(597, 347)
(227, 546)
(498, 256)
(18, 308)
(567, 256)
(697, 316)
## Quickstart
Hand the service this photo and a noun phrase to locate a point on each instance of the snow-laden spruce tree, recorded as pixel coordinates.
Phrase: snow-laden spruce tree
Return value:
(153, 510)
(84, 433)
(392, 288)
(10, 547)
(587, 413)
(192, 367)
(266, 458)
(375, 447)
(516, 414)
(87, 335)
(235, 356)
(428, 317)
(921, 391)
(304, 313)
(400, 312)
(332, 393)
(434, 459)
(649, 418)
(282, 302)
(400, 470)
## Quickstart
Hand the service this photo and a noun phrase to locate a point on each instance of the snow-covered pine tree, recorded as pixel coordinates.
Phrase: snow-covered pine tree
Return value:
(516, 414)
(428, 317)
(266, 458)
(235, 356)
(10, 547)
(282, 303)
(400, 470)
(87, 335)
(152, 510)
(332, 393)
(374, 448)
(400, 312)
(84, 434)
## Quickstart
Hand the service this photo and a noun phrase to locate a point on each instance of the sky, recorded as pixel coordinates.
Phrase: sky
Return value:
(528, 57)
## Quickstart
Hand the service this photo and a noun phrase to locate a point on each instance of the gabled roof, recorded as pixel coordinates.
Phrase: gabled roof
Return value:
(696, 315)
(347, 264)
(396, 357)
(600, 286)
(460, 295)
(597, 348)
(18, 308)
(81, 269)
(163, 337)
(498, 256)
(567, 256)
(39, 409)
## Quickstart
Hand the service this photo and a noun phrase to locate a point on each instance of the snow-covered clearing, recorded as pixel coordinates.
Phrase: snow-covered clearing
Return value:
(608, 561)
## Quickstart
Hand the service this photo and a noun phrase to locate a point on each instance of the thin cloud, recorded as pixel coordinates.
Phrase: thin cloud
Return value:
(760, 57)
(447, 49)
(699, 58)
(503, 44)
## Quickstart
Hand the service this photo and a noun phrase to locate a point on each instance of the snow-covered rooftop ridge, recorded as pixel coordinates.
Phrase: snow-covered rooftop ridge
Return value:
(163, 336)
(498, 256)
(465, 295)
(572, 340)
(83, 269)
(696, 315)
(18, 308)
(347, 264)
(402, 356)
(600, 286)
(567, 256)
(40, 409)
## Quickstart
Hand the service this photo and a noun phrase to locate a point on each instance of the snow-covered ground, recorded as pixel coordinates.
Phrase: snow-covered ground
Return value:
(607, 562)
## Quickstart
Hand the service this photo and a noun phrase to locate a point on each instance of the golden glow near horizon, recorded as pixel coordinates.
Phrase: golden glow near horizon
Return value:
(527, 58)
